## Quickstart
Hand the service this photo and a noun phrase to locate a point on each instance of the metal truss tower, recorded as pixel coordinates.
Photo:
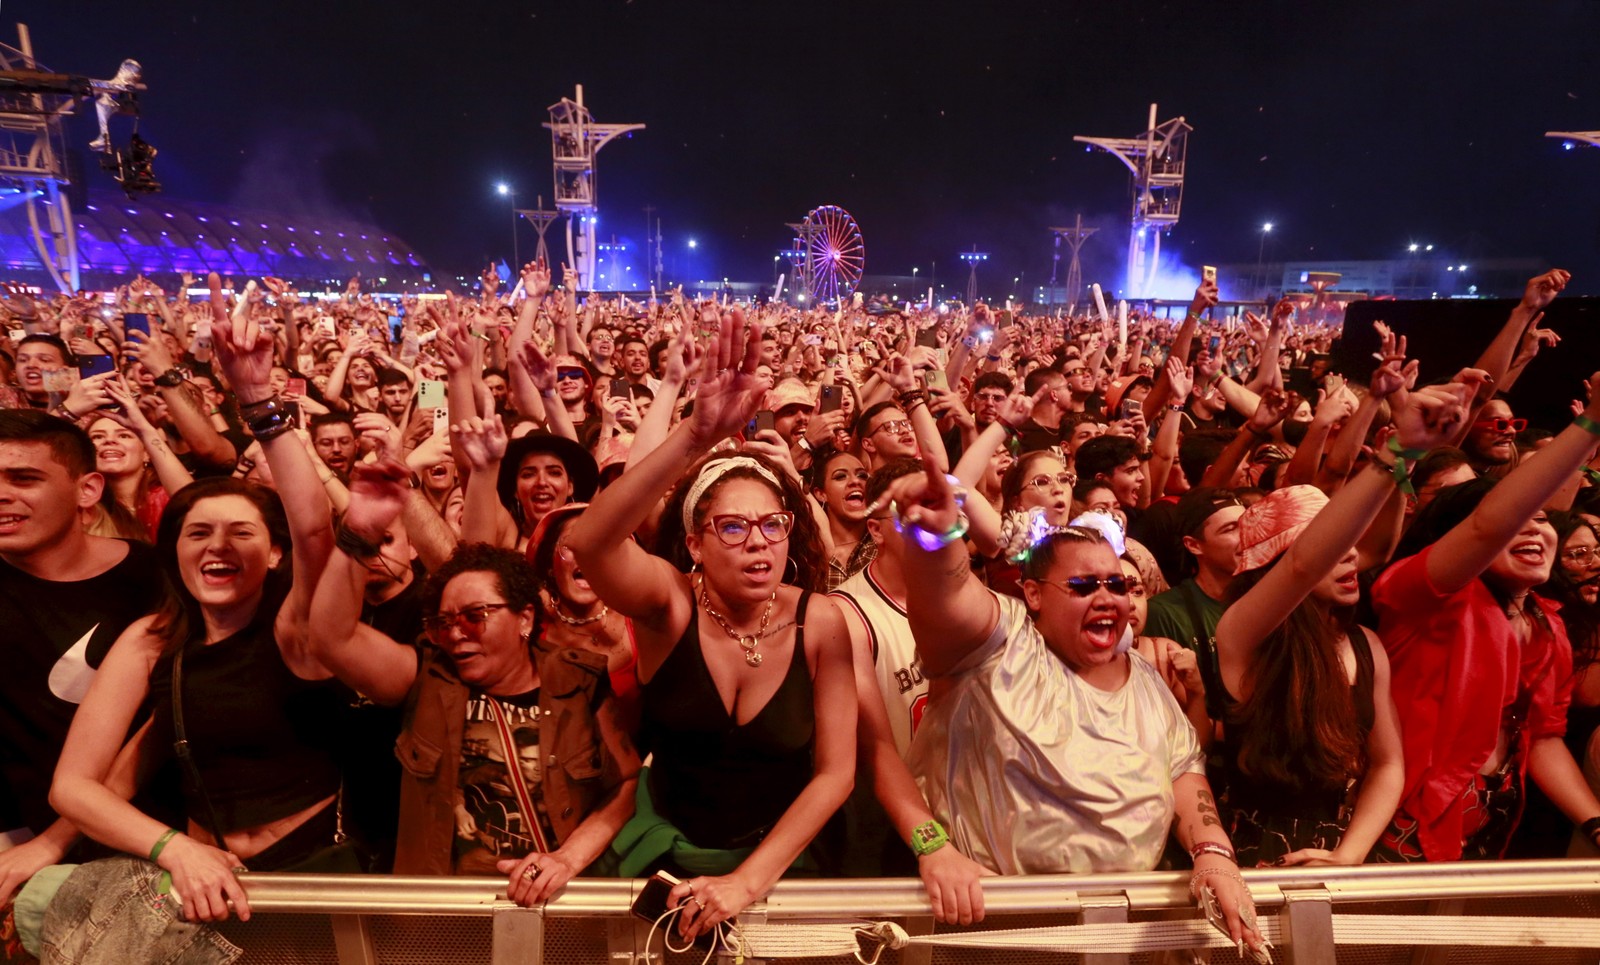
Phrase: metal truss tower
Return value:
(972, 258)
(575, 139)
(540, 219)
(1156, 160)
(1074, 236)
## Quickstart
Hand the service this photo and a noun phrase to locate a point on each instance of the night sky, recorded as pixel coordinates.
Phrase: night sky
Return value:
(1354, 127)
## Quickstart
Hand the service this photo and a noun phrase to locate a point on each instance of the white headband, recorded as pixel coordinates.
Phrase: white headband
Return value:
(713, 471)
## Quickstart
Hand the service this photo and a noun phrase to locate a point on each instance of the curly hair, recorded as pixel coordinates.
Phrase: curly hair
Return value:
(514, 576)
(805, 541)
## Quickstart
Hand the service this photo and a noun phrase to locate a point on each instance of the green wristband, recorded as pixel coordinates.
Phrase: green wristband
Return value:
(1402, 474)
(161, 844)
(1587, 424)
(928, 837)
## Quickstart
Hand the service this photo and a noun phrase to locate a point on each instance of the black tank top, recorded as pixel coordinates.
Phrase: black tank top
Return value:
(1255, 792)
(725, 785)
(263, 739)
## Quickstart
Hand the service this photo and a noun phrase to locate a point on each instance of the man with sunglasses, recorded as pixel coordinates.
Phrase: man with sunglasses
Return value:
(1047, 747)
(1491, 442)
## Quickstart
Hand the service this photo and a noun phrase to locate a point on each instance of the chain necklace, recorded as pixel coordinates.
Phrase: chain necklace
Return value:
(555, 606)
(748, 642)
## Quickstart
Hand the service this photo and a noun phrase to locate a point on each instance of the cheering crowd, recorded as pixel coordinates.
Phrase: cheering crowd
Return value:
(534, 586)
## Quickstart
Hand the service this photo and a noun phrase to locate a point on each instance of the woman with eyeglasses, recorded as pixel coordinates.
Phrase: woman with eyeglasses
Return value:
(514, 758)
(749, 699)
(1046, 747)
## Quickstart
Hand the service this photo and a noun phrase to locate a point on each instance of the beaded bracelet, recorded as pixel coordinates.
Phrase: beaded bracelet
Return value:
(910, 397)
(1587, 424)
(1195, 878)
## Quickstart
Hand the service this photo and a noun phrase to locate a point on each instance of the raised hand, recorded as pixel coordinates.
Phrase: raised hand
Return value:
(1272, 408)
(682, 357)
(378, 493)
(1255, 327)
(1543, 289)
(541, 370)
(243, 350)
(536, 278)
(1181, 379)
(491, 281)
(1432, 414)
(481, 442)
(729, 390)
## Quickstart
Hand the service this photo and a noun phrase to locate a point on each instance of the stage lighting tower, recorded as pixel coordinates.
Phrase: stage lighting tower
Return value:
(1156, 159)
(575, 139)
(972, 258)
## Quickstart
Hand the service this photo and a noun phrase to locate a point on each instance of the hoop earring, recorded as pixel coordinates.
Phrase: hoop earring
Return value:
(789, 564)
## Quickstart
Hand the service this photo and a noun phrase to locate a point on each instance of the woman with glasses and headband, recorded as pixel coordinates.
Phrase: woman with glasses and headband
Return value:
(1047, 746)
(513, 757)
(749, 699)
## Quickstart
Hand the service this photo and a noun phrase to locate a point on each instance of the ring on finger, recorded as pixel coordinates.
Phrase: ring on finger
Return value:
(531, 872)
(698, 903)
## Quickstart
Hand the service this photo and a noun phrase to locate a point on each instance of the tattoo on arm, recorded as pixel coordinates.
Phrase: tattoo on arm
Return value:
(1208, 810)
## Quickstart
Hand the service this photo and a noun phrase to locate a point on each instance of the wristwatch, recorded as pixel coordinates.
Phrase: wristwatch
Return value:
(928, 837)
(172, 377)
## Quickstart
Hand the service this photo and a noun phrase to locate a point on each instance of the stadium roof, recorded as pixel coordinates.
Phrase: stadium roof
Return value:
(157, 234)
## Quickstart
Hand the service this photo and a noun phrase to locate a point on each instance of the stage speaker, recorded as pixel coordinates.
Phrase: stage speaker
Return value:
(1447, 335)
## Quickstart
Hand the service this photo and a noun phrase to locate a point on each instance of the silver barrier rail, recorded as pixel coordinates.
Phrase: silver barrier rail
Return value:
(373, 919)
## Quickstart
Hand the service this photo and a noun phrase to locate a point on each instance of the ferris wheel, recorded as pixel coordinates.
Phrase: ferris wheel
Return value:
(834, 253)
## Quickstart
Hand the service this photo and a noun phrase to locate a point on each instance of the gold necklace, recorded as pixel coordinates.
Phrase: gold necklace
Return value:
(748, 642)
(555, 605)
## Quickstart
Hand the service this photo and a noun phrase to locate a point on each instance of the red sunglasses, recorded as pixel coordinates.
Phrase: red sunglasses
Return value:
(1501, 425)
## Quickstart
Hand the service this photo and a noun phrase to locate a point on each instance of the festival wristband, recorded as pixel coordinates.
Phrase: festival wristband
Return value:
(161, 844)
(1587, 424)
(933, 542)
(1592, 474)
(1402, 455)
(1212, 847)
(928, 837)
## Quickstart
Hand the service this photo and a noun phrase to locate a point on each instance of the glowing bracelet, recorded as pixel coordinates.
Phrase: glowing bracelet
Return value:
(1587, 424)
(931, 542)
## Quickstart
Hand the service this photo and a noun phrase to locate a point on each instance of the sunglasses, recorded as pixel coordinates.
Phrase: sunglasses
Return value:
(1065, 480)
(1089, 585)
(1501, 425)
(735, 530)
(896, 426)
(472, 617)
(1581, 554)
(573, 375)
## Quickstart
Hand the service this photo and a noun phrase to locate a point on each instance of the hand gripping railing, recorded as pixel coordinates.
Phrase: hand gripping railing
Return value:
(1112, 913)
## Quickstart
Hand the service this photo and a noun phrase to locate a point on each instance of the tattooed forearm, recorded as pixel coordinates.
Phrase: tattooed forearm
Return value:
(1208, 810)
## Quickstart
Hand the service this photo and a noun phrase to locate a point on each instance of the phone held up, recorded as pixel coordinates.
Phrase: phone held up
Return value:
(1208, 273)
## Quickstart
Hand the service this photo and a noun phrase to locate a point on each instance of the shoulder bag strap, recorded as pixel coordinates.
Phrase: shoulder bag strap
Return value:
(524, 800)
(180, 746)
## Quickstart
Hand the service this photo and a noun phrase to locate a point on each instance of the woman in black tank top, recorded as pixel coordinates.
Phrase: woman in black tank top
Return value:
(259, 712)
(749, 699)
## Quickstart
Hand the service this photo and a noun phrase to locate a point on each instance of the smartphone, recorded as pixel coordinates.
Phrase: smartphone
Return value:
(830, 399)
(295, 386)
(1002, 318)
(934, 379)
(760, 422)
(1214, 344)
(652, 901)
(135, 322)
(430, 394)
(812, 339)
(620, 389)
(1208, 273)
(1130, 408)
(18, 334)
(929, 337)
(395, 325)
(441, 421)
(91, 365)
(326, 329)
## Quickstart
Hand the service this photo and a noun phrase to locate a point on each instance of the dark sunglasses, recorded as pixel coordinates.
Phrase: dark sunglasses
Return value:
(1501, 425)
(1088, 585)
(564, 374)
(472, 616)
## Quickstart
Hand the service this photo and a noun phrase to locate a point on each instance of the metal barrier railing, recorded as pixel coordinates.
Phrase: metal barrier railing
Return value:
(366, 912)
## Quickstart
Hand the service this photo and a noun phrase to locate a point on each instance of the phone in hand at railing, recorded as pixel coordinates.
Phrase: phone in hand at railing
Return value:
(652, 901)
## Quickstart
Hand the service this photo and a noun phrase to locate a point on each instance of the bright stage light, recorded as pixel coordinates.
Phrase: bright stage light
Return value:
(503, 188)
(693, 243)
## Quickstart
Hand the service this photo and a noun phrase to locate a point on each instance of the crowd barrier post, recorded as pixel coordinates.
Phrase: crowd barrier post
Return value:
(352, 940)
(1106, 908)
(518, 935)
(1307, 922)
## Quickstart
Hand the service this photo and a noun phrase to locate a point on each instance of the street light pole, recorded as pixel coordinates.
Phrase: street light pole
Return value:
(1261, 251)
(516, 255)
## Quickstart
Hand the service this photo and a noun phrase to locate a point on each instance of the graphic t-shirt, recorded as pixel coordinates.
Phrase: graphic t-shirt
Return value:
(490, 824)
(53, 636)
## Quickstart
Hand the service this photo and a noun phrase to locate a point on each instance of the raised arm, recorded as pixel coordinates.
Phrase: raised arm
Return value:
(169, 469)
(1469, 548)
(244, 352)
(951, 614)
(634, 582)
(1204, 297)
(365, 659)
(1429, 415)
